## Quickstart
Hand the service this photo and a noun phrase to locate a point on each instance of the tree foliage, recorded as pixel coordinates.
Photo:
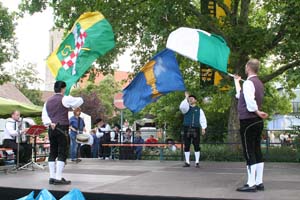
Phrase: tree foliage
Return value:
(98, 98)
(267, 30)
(7, 41)
(92, 104)
(24, 78)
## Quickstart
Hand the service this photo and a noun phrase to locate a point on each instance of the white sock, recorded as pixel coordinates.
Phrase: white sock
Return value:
(59, 169)
(251, 175)
(259, 173)
(197, 156)
(52, 169)
(187, 157)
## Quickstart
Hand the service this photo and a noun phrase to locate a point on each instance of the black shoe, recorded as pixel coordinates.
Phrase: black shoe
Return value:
(51, 181)
(186, 165)
(260, 187)
(76, 160)
(61, 182)
(197, 165)
(246, 188)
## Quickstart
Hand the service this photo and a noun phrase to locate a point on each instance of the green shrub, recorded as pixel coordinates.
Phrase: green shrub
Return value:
(224, 152)
(220, 152)
(280, 154)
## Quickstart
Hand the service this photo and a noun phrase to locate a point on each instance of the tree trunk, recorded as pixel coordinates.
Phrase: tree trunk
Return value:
(233, 125)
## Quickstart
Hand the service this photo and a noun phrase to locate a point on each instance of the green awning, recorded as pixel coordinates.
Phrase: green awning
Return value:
(8, 105)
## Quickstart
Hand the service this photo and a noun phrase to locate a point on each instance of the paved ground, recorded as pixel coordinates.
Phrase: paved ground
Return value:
(164, 178)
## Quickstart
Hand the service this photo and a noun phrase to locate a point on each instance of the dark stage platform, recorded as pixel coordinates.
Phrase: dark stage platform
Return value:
(149, 180)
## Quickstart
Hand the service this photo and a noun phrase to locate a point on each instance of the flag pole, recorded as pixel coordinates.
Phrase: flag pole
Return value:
(231, 75)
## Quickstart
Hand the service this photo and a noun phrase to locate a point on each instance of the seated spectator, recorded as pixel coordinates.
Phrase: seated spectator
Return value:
(127, 152)
(171, 145)
(114, 139)
(151, 140)
(127, 136)
(138, 149)
(114, 135)
(289, 140)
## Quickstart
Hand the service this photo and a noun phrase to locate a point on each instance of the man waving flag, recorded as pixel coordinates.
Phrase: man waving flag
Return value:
(90, 37)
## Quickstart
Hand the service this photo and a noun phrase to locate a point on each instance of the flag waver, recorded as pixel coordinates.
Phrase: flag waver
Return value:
(199, 45)
(157, 77)
(90, 37)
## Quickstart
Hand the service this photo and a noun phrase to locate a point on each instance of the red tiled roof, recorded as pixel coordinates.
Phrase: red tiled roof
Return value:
(118, 75)
(46, 95)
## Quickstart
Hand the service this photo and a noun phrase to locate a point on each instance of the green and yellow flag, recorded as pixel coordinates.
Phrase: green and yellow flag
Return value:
(90, 37)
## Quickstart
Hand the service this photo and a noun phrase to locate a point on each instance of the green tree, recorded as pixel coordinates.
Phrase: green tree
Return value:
(102, 95)
(7, 41)
(24, 77)
(267, 30)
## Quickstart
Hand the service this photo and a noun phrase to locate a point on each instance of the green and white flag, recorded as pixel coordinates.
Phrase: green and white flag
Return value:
(90, 37)
(201, 46)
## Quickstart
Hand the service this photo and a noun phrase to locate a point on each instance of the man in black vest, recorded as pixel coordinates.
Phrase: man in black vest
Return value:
(194, 119)
(55, 116)
(251, 125)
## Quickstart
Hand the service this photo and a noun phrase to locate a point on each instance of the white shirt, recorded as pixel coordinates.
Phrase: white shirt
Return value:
(249, 94)
(112, 136)
(100, 133)
(184, 108)
(11, 129)
(67, 101)
(126, 140)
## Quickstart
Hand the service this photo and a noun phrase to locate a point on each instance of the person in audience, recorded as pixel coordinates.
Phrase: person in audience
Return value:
(103, 133)
(14, 131)
(77, 126)
(138, 149)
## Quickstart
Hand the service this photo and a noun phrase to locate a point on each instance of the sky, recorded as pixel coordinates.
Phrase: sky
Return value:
(32, 33)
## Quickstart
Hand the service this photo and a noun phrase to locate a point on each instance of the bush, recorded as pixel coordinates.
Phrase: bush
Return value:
(220, 152)
(280, 154)
(224, 152)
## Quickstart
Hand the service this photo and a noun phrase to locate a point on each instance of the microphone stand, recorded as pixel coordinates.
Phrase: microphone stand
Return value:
(18, 140)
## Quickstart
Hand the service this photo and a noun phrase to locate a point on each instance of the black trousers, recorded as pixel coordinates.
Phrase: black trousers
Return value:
(59, 143)
(191, 135)
(25, 150)
(104, 151)
(250, 131)
(85, 151)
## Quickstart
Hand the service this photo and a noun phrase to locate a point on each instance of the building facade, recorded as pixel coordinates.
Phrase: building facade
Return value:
(55, 38)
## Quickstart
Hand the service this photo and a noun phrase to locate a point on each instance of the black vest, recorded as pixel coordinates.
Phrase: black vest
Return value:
(259, 94)
(56, 111)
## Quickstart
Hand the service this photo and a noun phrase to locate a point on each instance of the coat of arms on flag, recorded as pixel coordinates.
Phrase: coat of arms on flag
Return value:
(90, 37)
